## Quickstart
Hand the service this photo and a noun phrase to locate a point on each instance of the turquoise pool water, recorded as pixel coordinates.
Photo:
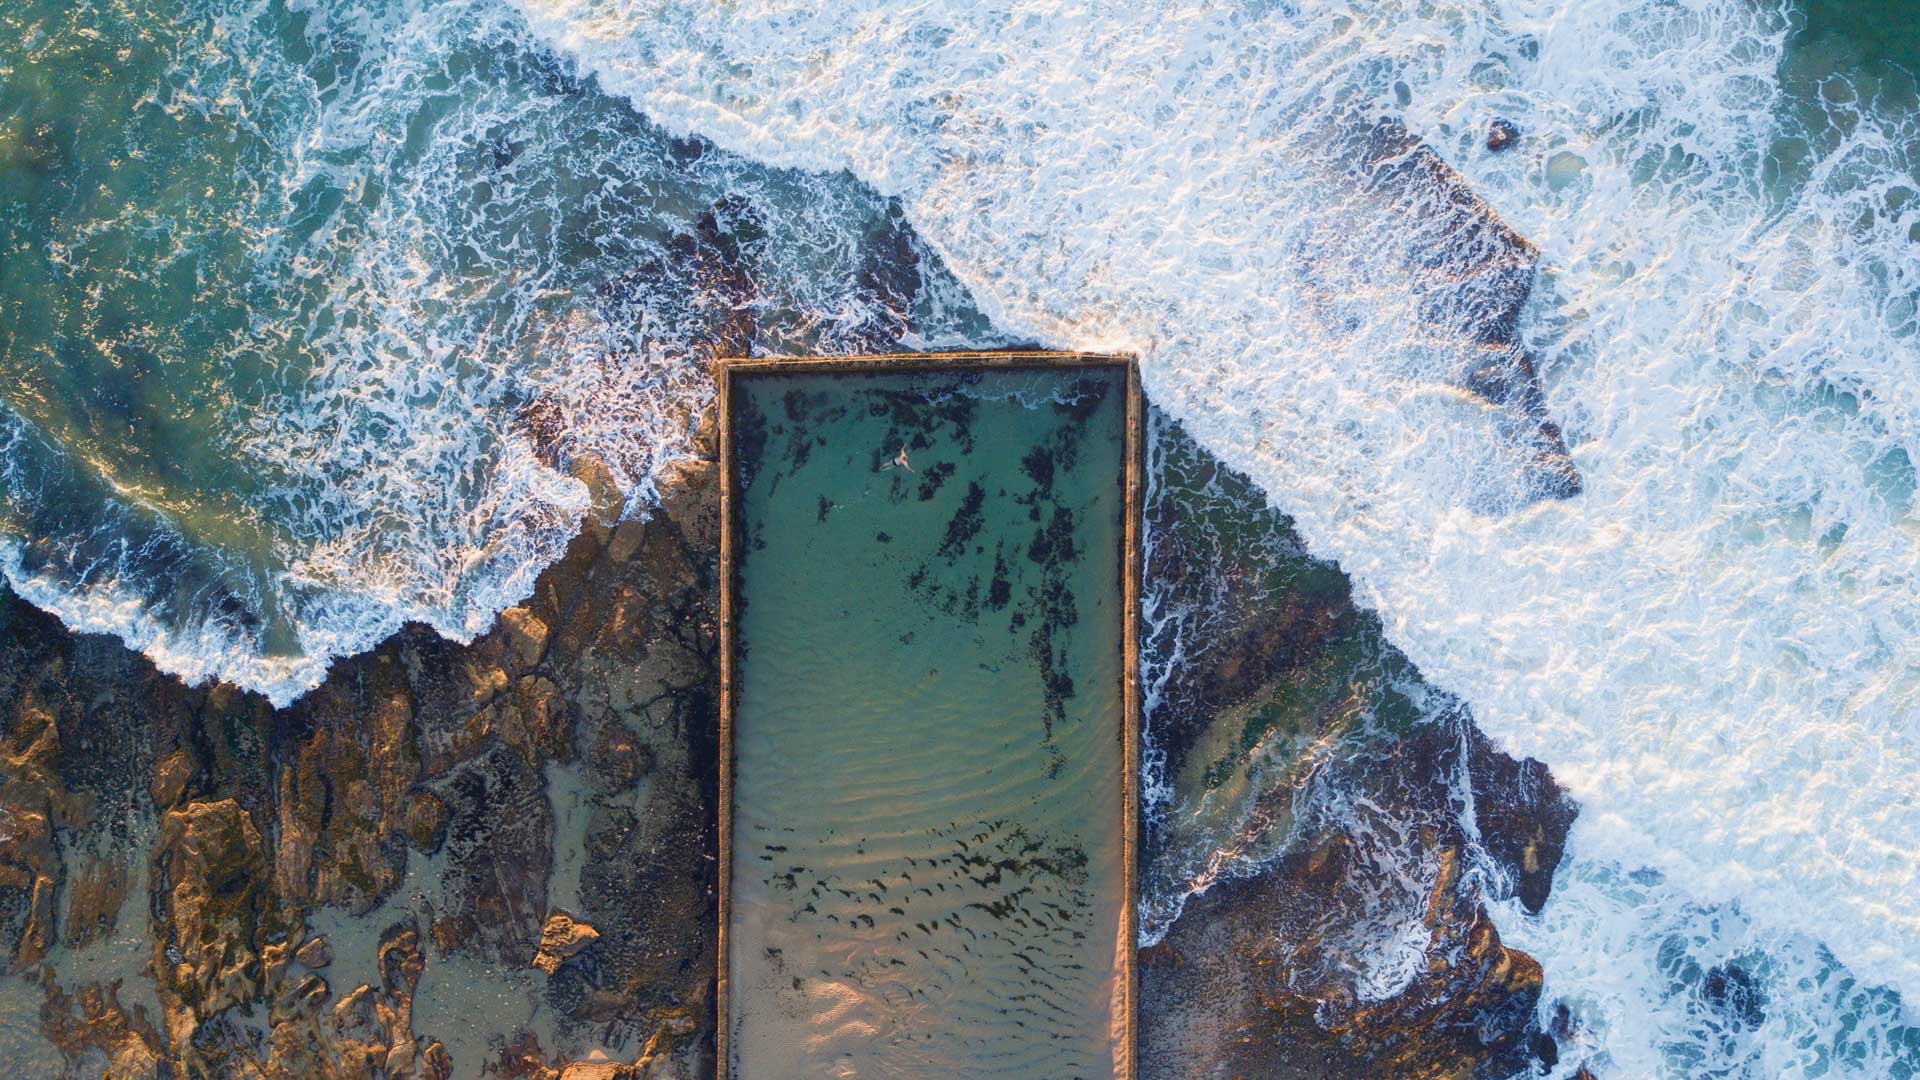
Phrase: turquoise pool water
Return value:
(928, 845)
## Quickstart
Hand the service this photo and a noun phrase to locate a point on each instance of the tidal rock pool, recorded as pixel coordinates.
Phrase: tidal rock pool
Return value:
(929, 832)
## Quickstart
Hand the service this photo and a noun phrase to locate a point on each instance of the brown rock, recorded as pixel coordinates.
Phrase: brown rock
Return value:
(305, 998)
(426, 821)
(689, 494)
(561, 939)
(314, 954)
(92, 1021)
(401, 961)
(603, 492)
(540, 729)
(33, 802)
(438, 1063)
(212, 870)
(525, 637)
(94, 892)
(170, 776)
(357, 1023)
(522, 1059)
(347, 789)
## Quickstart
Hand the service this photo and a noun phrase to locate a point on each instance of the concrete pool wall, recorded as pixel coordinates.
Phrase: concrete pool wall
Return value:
(1119, 1021)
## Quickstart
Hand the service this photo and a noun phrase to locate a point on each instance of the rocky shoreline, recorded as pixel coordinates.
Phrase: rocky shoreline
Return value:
(498, 859)
(532, 813)
(1333, 922)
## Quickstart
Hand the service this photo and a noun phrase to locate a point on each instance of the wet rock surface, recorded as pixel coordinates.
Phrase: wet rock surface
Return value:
(1258, 976)
(299, 877)
(331, 889)
(1331, 922)
(1472, 275)
(1501, 135)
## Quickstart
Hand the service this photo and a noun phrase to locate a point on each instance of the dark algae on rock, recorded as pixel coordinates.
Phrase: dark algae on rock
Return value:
(1313, 880)
(928, 730)
(362, 884)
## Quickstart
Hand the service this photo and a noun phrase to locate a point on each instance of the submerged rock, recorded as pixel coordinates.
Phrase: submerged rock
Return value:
(1472, 275)
(889, 285)
(401, 816)
(562, 939)
(1334, 889)
(1730, 991)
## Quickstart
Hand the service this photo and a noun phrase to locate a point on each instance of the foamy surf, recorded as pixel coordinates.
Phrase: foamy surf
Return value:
(1715, 645)
(431, 274)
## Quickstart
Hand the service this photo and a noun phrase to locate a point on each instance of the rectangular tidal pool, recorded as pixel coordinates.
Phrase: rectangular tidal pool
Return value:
(929, 844)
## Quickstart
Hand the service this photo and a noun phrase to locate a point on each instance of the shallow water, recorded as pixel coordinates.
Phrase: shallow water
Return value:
(1714, 644)
(928, 836)
(309, 312)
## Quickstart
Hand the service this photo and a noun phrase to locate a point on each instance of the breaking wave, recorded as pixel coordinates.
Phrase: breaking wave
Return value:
(1714, 643)
(427, 289)
(1638, 488)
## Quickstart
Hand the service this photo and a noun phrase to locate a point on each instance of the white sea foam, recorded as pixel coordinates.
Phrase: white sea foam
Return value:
(1668, 986)
(1715, 645)
(461, 271)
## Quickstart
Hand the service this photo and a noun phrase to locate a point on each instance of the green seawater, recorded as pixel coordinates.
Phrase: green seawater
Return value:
(272, 280)
(927, 830)
(1849, 109)
(1878, 38)
(310, 311)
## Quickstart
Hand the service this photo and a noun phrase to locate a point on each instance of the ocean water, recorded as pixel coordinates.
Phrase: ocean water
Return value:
(1237, 765)
(1713, 643)
(929, 830)
(310, 313)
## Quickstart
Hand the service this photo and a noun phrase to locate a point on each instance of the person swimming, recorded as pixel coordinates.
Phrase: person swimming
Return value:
(899, 459)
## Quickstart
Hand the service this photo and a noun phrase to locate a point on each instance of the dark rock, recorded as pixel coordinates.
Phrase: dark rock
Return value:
(314, 954)
(888, 286)
(1472, 275)
(1522, 815)
(1257, 976)
(1501, 134)
(525, 637)
(1248, 983)
(498, 858)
